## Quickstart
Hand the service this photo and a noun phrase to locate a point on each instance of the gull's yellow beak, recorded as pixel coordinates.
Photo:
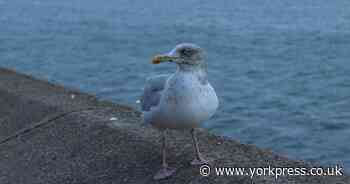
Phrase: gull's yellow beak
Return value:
(162, 58)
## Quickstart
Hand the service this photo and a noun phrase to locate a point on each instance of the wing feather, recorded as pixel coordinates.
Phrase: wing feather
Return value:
(153, 91)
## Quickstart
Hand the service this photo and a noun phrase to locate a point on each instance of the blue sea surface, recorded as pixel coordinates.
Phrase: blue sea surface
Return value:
(281, 69)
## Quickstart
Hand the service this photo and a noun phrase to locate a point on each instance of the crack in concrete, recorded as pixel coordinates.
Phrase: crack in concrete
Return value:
(46, 120)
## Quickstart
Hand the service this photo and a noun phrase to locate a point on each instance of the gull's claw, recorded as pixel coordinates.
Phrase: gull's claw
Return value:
(201, 161)
(164, 173)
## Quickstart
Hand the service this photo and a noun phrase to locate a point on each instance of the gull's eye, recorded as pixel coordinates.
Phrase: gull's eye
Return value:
(185, 52)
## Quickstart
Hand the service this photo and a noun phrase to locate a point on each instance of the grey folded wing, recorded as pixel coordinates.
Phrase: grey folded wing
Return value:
(153, 91)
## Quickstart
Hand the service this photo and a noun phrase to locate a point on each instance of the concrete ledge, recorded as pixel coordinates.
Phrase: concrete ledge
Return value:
(50, 134)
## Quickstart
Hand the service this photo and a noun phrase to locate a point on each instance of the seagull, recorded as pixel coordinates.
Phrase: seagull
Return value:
(181, 101)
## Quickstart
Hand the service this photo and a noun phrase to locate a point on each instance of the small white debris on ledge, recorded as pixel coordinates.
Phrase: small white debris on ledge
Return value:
(113, 119)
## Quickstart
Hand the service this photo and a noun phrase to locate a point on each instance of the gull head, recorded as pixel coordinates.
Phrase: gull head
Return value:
(184, 54)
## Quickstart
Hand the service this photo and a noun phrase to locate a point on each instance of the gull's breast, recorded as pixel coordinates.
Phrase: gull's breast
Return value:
(186, 102)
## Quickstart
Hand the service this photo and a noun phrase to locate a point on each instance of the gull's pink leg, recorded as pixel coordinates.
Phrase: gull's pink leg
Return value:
(199, 159)
(165, 171)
